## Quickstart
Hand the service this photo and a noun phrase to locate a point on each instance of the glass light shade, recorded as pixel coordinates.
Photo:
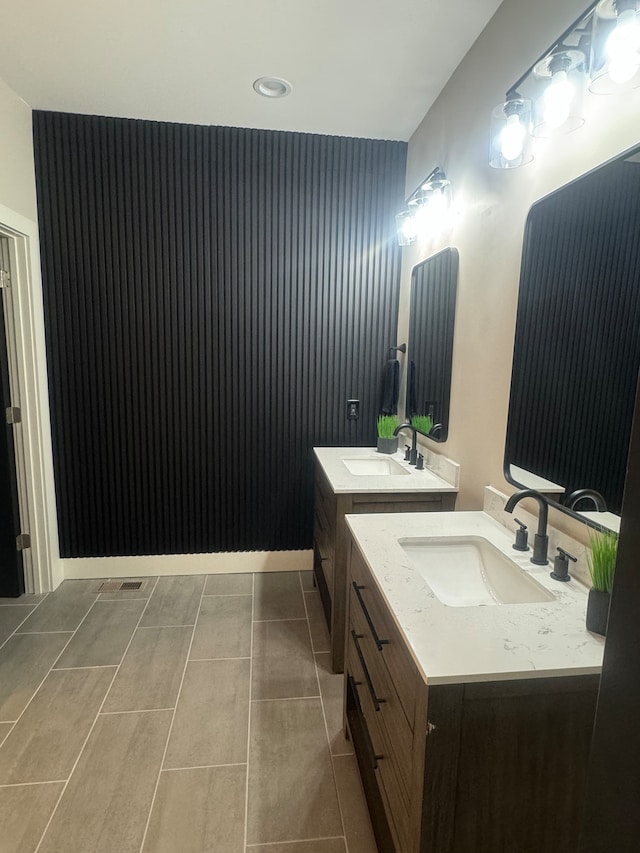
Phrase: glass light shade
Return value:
(559, 107)
(438, 202)
(430, 207)
(406, 228)
(510, 139)
(615, 55)
(427, 209)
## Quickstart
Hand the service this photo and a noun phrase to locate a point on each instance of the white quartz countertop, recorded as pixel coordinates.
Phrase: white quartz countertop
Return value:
(453, 645)
(535, 481)
(606, 519)
(343, 481)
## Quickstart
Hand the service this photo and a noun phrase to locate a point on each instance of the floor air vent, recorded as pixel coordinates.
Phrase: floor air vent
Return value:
(119, 586)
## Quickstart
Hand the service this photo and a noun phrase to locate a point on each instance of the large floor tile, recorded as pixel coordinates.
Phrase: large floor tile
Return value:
(283, 665)
(320, 638)
(322, 845)
(103, 637)
(224, 628)
(198, 811)
(25, 659)
(79, 587)
(151, 671)
(145, 590)
(308, 581)
(211, 722)
(292, 795)
(24, 813)
(278, 595)
(106, 804)
(26, 598)
(11, 616)
(355, 814)
(174, 601)
(64, 609)
(332, 693)
(46, 741)
(229, 584)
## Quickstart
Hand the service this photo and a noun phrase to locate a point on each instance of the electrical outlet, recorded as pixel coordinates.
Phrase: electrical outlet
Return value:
(353, 410)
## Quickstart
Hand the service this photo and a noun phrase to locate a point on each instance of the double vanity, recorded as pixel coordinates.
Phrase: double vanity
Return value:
(356, 480)
(471, 681)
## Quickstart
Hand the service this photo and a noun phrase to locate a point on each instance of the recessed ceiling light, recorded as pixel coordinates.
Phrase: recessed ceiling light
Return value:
(272, 87)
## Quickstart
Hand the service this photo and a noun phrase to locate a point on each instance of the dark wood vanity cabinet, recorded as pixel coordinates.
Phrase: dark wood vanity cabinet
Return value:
(484, 767)
(331, 541)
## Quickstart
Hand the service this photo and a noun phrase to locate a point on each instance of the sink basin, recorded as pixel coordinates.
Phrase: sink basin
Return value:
(468, 571)
(373, 466)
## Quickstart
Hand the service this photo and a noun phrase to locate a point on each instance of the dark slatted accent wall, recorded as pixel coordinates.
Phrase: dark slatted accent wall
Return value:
(577, 347)
(212, 298)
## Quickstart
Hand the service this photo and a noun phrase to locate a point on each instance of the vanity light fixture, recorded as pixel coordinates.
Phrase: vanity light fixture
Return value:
(602, 45)
(426, 205)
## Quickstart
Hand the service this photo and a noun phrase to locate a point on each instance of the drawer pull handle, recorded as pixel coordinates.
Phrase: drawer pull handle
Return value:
(375, 699)
(379, 643)
(365, 731)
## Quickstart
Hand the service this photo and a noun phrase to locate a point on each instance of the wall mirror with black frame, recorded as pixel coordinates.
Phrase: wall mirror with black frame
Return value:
(577, 343)
(434, 284)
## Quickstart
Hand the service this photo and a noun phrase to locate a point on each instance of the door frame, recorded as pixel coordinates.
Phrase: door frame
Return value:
(24, 321)
(18, 520)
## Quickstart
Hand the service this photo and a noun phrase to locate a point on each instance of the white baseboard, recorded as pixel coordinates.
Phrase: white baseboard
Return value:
(187, 564)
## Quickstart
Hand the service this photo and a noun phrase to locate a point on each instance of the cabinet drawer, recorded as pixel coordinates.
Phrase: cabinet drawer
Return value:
(324, 563)
(406, 503)
(324, 511)
(322, 484)
(396, 658)
(321, 535)
(396, 806)
(390, 714)
(321, 524)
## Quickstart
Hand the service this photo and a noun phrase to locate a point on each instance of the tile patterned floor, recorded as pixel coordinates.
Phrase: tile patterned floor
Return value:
(197, 715)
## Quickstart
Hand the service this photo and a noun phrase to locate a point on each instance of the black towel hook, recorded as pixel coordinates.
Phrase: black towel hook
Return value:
(402, 348)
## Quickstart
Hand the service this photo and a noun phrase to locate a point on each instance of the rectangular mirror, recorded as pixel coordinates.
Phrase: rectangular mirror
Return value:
(434, 284)
(577, 343)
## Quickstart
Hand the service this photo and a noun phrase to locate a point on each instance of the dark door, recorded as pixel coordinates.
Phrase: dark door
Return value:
(612, 818)
(11, 570)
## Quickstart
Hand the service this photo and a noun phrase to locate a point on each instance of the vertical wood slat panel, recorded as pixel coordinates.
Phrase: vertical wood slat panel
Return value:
(212, 298)
(577, 344)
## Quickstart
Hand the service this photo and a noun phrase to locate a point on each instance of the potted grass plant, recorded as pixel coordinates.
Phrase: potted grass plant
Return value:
(387, 441)
(602, 564)
(424, 423)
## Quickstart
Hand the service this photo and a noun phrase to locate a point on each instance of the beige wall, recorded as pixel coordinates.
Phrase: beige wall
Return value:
(491, 209)
(17, 177)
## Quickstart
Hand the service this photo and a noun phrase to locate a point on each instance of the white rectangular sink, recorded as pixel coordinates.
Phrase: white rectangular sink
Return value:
(468, 571)
(373, 466)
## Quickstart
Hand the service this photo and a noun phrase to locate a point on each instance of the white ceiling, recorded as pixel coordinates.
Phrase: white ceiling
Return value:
(358, 67)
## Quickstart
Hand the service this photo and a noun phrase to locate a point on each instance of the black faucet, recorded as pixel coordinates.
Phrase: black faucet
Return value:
(413, 453)
(575, 497)
(540, 540)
